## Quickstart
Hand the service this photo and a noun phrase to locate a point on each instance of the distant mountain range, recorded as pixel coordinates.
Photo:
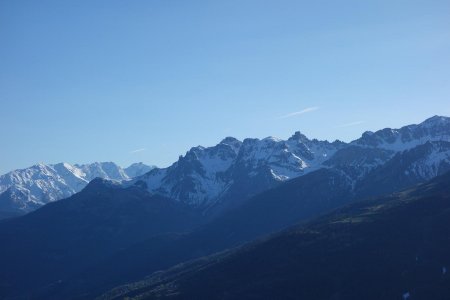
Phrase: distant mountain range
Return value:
(222, 176)
(24, 190)
(211, 199)
(218, 178)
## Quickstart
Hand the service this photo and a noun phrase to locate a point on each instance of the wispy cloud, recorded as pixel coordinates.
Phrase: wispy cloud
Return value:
(301, 112)
(137, 150)
(351, 124)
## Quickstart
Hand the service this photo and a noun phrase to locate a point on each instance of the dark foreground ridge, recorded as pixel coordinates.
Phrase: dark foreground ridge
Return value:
(389, 248)
(43, 248)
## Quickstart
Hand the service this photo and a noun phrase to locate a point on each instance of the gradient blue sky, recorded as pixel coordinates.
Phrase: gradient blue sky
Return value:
(84, 81)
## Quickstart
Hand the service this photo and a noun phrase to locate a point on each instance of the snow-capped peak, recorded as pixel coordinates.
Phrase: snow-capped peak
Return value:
(436, 121)
(204, 175)
(234, 143)
(436, 128)
(298, 136)
(41, 183)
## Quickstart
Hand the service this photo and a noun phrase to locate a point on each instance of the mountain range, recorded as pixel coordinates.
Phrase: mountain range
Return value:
(210, 200)
(232, 171)
(219, 177)
(25, 190)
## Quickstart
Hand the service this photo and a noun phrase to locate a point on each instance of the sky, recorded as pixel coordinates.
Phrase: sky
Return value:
(128, 81)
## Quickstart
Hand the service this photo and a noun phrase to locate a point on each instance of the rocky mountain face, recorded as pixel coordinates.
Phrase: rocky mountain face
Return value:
(433, 129)
(232, 171)
(204, 176)
(406, 168)
(24, 190)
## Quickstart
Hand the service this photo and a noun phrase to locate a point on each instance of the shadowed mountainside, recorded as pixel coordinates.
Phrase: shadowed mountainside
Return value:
(387, 248)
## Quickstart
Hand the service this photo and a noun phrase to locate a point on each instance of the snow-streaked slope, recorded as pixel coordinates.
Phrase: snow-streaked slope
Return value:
(436, 128)
(407, 168)
(26, 189)
(356, 162)
(204, 176)
(435, 160)
(286, 159)
(197, 177)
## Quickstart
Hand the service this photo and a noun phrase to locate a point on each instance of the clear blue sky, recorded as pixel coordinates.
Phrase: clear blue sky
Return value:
(84, 81)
